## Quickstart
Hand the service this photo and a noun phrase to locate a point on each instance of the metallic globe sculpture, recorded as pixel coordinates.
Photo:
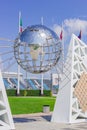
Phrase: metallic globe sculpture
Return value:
(37, 49)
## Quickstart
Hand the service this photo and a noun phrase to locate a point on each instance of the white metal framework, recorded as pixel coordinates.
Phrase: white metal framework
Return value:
(6, 121)
(37, 49)
(67, 107)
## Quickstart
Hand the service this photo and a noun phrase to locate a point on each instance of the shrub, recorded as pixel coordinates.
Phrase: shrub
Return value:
(25, 92)
(28, 92)
(11, 92)
(47, 93)
(32, 92)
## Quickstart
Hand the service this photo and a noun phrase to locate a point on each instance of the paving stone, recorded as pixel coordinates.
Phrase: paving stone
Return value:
(41, 121)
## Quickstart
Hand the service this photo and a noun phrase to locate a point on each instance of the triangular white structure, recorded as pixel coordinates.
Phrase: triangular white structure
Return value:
(67, 109)
(6, 121)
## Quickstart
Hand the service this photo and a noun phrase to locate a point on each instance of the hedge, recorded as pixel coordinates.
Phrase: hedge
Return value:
(11, 92)
(28, 92)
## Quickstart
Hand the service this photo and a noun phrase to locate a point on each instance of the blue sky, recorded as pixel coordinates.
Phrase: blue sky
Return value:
(72, 14)
(53, 12)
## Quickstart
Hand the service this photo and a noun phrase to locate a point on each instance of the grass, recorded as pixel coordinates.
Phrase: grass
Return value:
(25, 105)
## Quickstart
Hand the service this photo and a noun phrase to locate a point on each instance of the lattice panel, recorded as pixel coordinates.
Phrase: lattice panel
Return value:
(80, 91)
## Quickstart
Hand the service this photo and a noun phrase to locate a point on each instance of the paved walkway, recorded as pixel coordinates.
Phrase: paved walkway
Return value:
(41, 121)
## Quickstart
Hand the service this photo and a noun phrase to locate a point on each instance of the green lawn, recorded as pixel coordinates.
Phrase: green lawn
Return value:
(25, 105)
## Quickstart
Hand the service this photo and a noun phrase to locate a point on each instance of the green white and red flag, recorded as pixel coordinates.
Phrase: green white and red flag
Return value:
(20, 23)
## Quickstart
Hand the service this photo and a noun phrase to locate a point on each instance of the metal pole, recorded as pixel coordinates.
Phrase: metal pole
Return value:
(42, 20)
(42, 73)
(26, 80)
(18, 88)
(62, 51)
(42, 84)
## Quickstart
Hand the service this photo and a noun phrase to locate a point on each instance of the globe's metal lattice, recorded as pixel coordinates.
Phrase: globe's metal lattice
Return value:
(37, 49)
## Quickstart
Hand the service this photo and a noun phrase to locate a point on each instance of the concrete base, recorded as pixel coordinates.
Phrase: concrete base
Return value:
(46, 109)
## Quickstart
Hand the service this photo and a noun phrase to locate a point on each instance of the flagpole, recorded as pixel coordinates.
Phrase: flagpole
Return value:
(42, 20)
(62, 50)
(18, 88)
(42, 73)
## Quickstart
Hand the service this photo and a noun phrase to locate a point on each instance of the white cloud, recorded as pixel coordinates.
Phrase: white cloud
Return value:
(71, 26)
(74, 25)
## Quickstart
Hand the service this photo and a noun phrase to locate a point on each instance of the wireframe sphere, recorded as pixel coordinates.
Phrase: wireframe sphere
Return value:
(37, 49)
